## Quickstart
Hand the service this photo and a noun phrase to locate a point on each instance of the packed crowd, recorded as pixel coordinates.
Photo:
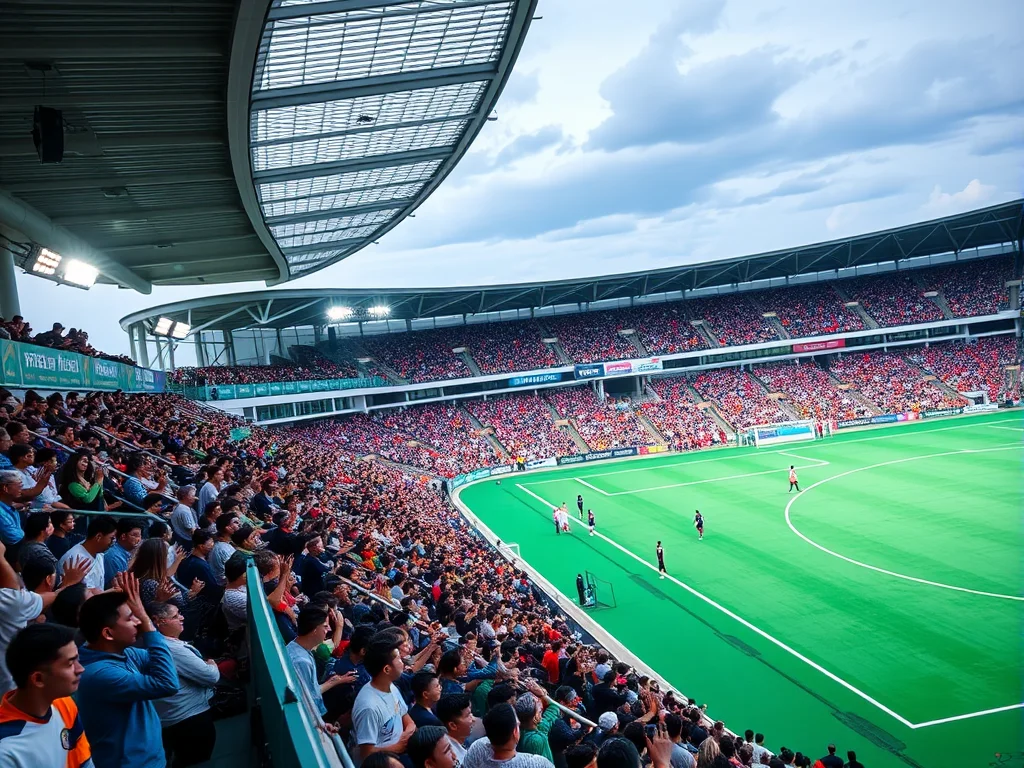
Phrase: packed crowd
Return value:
(406, 632)
(978, 366)
(602, 425)
(893, 299)
(742, 400)
(509, 346)
(973, 288)
(677, 416)
(75, 340)
(523, 424)
(310, 366)
(418, 356)
(888, 380)
(591, 337)
(664, 329)
(811, 391)
(810, 310)
(436, 437)
(733, 319)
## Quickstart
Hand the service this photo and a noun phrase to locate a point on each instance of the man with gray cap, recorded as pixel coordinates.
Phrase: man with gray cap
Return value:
(607, 728)
(536, 713)
(183, 519)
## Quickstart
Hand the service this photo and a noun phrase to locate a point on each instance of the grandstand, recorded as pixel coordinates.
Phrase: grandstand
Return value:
(323, 438)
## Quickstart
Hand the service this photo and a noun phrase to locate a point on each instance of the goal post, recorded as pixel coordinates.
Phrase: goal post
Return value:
(764, 435)
(599, 593)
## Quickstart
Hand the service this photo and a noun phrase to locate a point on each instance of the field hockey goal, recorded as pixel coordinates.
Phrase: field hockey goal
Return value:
(509, 549)
(600, 593)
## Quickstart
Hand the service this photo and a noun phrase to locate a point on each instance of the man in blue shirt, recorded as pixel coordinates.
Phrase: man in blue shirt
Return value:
(10, 521)
(120, 682)
(115, 559)
(313, 627)
(311, 568)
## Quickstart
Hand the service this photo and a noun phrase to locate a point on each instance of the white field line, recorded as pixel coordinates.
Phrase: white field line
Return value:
(793, 528)
(1008, 429)
(742, 621)
(820, 462)
(592, 487)
(968, 716)
(709, 480)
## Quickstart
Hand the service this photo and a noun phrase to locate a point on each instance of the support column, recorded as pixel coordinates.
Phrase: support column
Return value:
(9, 303)
(140, 331)
(200, 350)
(229, 347)
(170, 351)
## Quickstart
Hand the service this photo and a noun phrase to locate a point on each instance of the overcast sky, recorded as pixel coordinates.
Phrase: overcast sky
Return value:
(651, 133)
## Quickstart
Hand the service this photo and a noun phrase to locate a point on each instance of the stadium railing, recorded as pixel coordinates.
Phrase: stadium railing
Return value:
(289, 725)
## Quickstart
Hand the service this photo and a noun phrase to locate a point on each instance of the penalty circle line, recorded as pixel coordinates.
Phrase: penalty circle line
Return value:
(887, 572)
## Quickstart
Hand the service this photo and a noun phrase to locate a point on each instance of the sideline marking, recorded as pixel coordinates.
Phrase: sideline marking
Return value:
(969, 715)
(1008, 429)
(709, 480)
(741, 620)
(584, 482)
(793, 528)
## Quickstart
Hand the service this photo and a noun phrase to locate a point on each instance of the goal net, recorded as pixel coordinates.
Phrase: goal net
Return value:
(783, 432)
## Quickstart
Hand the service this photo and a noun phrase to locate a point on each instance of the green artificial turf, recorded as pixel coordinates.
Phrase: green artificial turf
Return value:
(936, 501)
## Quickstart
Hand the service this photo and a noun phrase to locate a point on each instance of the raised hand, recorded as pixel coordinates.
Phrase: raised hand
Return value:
(75, 570)
(165, 591)
(196, 588)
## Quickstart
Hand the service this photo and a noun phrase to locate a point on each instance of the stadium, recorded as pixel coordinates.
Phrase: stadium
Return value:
(722, 513)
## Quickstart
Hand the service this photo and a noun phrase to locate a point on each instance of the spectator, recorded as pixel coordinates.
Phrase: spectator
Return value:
(183, 518)
(537, 714)
(226, 525)
(116, 558)
(42, 724)
(33, 547)
(189, 735)
(498, 747)
(852, 761)
(380, 718)
(831, 760)
(563, 735)
(100, 536)
(455, 712)
(63, 536)
(10, 521)
(312, 629)
(582, 755)
(235, 602)
(430, 747)
(121, 682)
(426, 690)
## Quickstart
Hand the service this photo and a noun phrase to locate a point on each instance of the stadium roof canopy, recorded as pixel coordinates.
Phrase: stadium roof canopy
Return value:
(212, 141)
(993, 226)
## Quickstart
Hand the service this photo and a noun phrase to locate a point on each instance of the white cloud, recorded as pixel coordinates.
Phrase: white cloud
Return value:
(974, 195)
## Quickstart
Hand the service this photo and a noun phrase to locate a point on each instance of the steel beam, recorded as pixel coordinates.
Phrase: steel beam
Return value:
(330, 213)
(347, 166)
(76, 47)
(347, 6)
(371, 86)
(148, 215)
(100, 182)
(297, 138)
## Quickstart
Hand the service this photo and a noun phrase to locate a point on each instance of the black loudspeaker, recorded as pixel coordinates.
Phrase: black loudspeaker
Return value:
(48, 134)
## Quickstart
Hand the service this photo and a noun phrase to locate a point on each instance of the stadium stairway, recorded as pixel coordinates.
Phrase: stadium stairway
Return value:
(577, 438)
(784, 404)
(936, 381)
(647, 424)
(555, 347)
(637, 342)
(712, 408)
(869, 321)
(489, 436)
(467, 358)
(939, 299)
(853, 392)
(771, 317)
(703, 331)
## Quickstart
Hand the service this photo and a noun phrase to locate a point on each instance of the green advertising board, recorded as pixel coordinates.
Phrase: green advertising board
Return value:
(28, 366)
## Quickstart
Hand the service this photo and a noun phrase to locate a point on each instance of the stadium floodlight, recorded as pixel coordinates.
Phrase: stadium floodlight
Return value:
(163, 327)
(379, 310)
(46, 262)
(339, 313)
(180, 330)
(80, 273)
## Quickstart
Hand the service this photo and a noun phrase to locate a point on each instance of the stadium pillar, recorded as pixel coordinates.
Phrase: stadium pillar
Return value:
(170, 351)
(200, 350)
(9, 303)
(143, 345)
(229, 347)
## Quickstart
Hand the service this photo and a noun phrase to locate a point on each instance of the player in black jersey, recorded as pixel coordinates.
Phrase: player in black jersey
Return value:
(661, 561)
(590, 521)
(579, 503)
(698, 523)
